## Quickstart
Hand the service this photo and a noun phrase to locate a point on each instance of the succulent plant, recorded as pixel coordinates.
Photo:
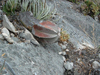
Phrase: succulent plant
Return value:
(24, 4)
(41, 10)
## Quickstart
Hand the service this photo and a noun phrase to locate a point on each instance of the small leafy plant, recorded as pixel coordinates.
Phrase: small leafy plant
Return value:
(63, 36)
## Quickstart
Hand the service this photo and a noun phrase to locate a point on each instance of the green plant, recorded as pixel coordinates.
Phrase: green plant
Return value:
(24, 5)
(41, 10)
(90, 8)
(63, 36)
(10, 6)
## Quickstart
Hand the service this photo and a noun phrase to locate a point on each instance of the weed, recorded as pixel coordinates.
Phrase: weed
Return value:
(63, 36)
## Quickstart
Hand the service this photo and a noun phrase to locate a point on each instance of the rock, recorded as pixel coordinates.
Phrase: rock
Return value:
(8, 70)
(27, 59)
(46, 31)
(99, 55)
(5, 30)
(95, 64)
(8, 24)
(12, 35)
(68, 65)
(15, 39)
(1, 37)
(63, 46)
(1, 13)
(28, 36)
(0, 25)
(7, 38)
(74, 24)
(62, 53)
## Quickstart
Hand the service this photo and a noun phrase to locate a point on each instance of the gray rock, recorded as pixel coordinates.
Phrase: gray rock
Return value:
(27, 59)
(12, 35)
(99, 55)
(74, 24)
(95, 64)
(15, 39)
(5, 30)
(8, 38)
(28, 36)
(1, 37)
(8, 24)
(62, 53)
(63, 46)
(68, 65)
(1, 13)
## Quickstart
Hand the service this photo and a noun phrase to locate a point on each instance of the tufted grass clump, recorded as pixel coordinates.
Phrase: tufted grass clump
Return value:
(63, 36)
(10, 6)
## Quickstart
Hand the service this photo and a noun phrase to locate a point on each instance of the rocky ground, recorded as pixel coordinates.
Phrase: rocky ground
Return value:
(80, 55)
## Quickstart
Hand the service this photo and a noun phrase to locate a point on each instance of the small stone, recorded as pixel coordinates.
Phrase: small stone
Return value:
(95, 64)
(7, 38)
(63, 46)
(64, 59)
(99, 55)
(5, 30)
(68, 65)
(62, 53)
(12, 35)
(1, 13)
(8, 24)
(67, 50)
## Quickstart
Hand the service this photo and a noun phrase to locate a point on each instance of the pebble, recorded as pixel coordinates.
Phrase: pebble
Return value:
(12, 35)
(99, 55)
(68, 65)
(95, 64)
(62, 53)
(5, 30)
(7, 38)
(63, 46)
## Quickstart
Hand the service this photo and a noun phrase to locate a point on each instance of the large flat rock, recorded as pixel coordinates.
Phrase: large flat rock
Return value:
(83, 30)
(27, 59)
